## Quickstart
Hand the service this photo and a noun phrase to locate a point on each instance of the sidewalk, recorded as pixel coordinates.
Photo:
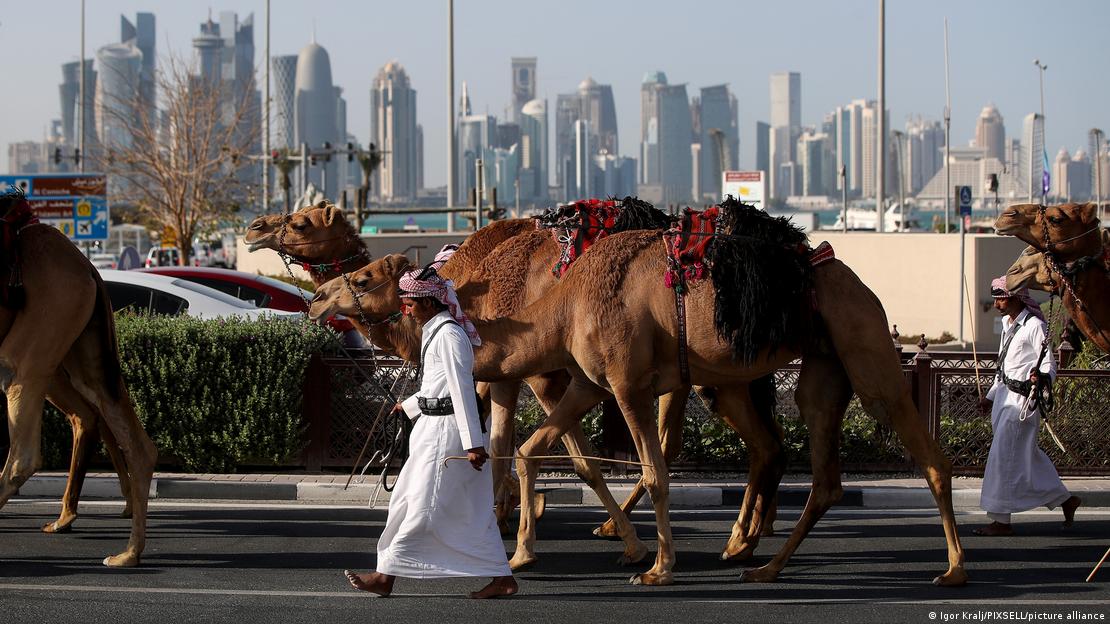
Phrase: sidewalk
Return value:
(866, 492)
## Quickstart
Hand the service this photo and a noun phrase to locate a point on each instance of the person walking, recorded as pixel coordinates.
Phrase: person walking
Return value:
(441, 521)
(1019, 475)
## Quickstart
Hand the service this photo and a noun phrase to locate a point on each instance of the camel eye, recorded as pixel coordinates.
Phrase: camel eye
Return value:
(300, 226)
(361, 282)
(1055, 220)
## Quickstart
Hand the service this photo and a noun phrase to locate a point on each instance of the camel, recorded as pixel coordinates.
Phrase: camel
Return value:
(610, 323)
(1068, 256)
(76, 364)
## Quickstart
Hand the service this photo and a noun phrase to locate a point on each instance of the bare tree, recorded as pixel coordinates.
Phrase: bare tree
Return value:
(185, 162)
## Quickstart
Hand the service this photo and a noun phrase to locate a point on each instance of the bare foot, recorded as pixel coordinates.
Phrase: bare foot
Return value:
(1069, 506)
(498, 587)
(994, 529)
(374, 582)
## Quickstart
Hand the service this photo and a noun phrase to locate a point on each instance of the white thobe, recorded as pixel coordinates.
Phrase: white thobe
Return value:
(1019, 476)
(441, 520)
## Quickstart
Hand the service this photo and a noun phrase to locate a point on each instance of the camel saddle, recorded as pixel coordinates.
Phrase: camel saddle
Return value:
(686, 247)
(577, 226)
(18, 216)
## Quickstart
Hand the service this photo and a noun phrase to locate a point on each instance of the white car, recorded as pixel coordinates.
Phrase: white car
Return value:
(103, 260)
(161, 294)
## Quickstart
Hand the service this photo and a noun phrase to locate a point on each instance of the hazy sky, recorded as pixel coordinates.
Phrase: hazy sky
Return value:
(698, 42)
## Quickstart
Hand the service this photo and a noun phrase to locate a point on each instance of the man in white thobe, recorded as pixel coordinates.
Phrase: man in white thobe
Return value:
(441, 521)
(1019, 476)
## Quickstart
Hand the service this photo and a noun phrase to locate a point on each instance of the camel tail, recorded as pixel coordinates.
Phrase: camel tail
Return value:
(109, 353)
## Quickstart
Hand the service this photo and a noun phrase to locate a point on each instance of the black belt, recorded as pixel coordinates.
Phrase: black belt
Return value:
(1020, 387)
(435, 406)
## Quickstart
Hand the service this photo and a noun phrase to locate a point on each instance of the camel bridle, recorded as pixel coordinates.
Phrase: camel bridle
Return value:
(1070, 270)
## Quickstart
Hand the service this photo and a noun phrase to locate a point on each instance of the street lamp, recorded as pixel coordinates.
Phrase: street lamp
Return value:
(1097, 134)
(900, 138)
(1044, 144)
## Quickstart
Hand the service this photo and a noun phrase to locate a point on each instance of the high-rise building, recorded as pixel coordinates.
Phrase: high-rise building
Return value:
(786, 99)
(393, 130)
(596, 107)
(614, 176)
(283, 72)
(924, 152)
(477, 135)
(142, 35)
(813, 162)
(1032, 157)
(1071, 177)
(315, 110)
(533, 152)
(524, 84)
(583, 159)
(567, 111)
(665, 133)
(717, 111)
(869, 122)
(763, 147)
(990, 133)
(117, 92)
(70, 92)
(419, 157)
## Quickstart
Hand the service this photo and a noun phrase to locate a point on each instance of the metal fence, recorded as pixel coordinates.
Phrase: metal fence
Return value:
(342, 406)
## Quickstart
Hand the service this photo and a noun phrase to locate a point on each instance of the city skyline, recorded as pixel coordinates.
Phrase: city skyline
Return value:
(988, 64)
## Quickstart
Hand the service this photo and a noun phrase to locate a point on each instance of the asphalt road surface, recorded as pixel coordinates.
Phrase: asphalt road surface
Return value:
(251, 562)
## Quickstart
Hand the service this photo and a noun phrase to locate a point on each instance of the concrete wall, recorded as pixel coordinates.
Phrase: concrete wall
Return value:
(915, 275)
(917, 278)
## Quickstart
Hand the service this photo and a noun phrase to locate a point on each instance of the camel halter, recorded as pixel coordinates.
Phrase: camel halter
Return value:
(1070, 270)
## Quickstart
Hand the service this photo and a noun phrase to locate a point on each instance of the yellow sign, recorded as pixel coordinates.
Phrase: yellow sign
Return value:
(169, 236)
(84, 209)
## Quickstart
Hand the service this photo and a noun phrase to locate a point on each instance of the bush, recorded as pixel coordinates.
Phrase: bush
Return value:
(212, 394)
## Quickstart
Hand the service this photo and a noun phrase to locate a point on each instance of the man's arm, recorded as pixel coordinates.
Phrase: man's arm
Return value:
(458, 364)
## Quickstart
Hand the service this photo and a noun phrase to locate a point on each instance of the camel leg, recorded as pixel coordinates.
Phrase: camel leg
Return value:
(83, 421)
(580, 397)
(761, 435)
(140, 455)
(672, 412)
(822, 397)
(503, 398)
(25, 400)
(636, 404)
(120, 464)
(859, 336)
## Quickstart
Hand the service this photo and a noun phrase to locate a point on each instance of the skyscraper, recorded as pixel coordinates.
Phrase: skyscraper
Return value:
(1031, 171)
(763, 147)
(524, 84)
(477, 135)
(665, 139)
(533, 143)
(142, 35)
(70, 92)
(786, 116)
(393, 129)
(583, 159)
(567, 111)
(717, 111)
(284, 75)
(924, 153)
(597, 108)
(117, 92)
(990, 133)
(315, 108)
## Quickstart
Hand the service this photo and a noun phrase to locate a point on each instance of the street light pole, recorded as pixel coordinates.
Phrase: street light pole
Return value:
(880, 181)
(947, 133)
(1044, 143)
(81, 96)
(266, 123)
(1098, 171)
(843, 197)
(900, 138)
(450, 114)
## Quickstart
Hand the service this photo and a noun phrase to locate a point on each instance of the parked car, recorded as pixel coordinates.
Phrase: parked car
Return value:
(262, 291)
(103, 260)
(162, 294)
(163, 256)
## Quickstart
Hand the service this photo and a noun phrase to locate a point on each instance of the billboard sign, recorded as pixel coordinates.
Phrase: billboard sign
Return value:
(749, 187)
(76, 203)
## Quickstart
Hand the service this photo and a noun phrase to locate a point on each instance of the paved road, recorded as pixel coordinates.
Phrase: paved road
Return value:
(251, 562)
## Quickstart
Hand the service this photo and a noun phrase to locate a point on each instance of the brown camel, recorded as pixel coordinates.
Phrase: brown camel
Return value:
(76, 363)
(1072, 262)
(321, 238)
(611, 323)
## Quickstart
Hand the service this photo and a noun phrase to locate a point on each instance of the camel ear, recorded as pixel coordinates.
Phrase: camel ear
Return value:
(395, 264)
(330, 212)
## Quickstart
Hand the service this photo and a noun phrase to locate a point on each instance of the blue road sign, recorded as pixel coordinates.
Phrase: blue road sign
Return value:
(75, 203)
(964, 193)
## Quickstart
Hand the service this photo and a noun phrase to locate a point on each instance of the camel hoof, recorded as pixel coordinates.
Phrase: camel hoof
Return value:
(956, 577)
(126, 513)
(758, 575)
(743, 553)
(59, 525)
(768, 531)
(122, 560)
(639, 551)
(647, 578)
(519, 562)
(608, 530)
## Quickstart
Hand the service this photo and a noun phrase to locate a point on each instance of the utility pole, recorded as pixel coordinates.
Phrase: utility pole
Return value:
(1098, 171)
(81, 106)
(479, 188)
(450, 114)
(1044, 135)
(266, 122)
(900, 142)
(947, 131)
(881, 158)
(844, 197)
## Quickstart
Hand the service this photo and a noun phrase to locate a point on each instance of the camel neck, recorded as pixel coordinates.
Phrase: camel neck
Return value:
(402, 338)
(1093, 318)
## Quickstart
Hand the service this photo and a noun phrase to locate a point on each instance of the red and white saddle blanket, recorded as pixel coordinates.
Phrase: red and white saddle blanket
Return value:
(577, 226)
(19, 216)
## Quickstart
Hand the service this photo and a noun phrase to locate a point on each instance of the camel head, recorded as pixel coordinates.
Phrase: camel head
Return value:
(315, 234)
(1072, 229)
(1030, 270)
(375, 285)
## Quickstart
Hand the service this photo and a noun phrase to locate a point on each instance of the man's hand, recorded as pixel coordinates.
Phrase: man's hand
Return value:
(985, 406)
(477, 456)
(397, 408)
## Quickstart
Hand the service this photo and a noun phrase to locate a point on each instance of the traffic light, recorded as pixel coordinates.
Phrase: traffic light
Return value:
(57, 155)
(77, 156)
(350, 151)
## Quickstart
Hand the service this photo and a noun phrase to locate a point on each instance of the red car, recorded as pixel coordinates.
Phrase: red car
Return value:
(262, 291)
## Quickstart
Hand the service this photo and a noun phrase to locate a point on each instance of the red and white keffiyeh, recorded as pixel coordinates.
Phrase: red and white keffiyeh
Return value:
(999, 291)
(428, 283)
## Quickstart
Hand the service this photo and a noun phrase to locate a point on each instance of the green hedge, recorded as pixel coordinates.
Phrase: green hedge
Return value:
(212, 394)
